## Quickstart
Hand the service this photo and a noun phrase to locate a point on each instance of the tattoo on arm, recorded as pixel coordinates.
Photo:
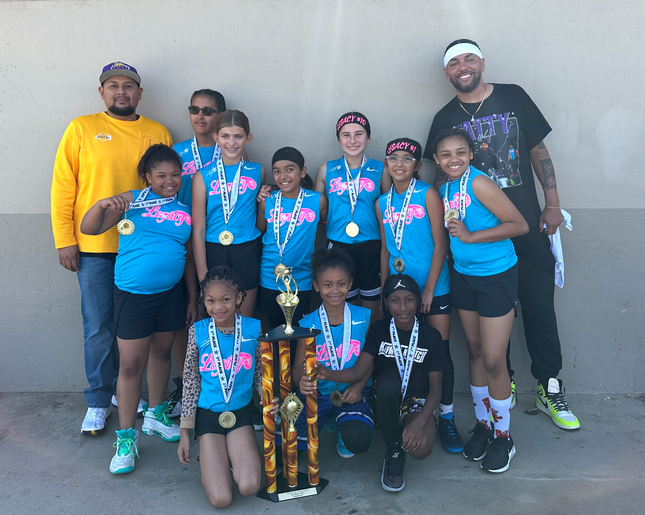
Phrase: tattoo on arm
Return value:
(548, 173)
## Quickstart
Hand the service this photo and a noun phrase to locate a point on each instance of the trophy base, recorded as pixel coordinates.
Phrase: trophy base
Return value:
(278, 334)
(285, 493)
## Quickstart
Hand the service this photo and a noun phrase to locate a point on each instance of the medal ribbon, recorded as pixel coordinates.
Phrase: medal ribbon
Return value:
(405, 367)
(197, 159)
(463, 185)
(140, 201)
(397, 231)
(353, 185)
(329, 339)
(227, 386)
(228, 203)
(295, 214)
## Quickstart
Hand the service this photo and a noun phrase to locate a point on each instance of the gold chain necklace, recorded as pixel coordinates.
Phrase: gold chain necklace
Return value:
(472, 116)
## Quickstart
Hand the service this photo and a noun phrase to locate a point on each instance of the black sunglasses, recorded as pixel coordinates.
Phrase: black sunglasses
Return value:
(208, 111)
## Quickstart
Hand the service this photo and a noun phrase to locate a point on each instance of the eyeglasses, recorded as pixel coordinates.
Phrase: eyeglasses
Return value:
(403, 160)
(208, 111)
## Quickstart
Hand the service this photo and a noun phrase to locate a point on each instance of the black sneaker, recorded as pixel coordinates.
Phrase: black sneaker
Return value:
(499, 455)
(174, 399)
(450, 435)
(392, 475)
(475, 449)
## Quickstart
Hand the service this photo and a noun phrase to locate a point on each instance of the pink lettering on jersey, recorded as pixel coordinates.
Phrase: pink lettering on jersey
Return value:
(179, 217)
(190, 169)
(245, 183)
(337, 185)
(454, 203)
(414, 211)
(323, 356)
(208, 363)
(305, 214)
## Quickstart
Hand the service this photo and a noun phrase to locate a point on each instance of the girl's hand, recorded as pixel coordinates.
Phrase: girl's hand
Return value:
(307, 384)
(322, 371)
(412, 435)
(354, 393)
(116, 203)
(275, 407)
(427, 295)
(191, 313)
(183, 449)
(458, 229)
(264, 193)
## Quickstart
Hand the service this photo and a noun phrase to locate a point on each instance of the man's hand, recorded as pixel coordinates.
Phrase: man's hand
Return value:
(69, 257)
(552, 218)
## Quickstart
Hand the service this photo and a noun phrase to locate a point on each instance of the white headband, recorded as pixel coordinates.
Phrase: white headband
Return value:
(461, 48)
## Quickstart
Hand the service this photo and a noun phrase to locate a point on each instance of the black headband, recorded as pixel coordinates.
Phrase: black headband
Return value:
(353, 117)
(399, 282)
(288, 154)
(406, 145)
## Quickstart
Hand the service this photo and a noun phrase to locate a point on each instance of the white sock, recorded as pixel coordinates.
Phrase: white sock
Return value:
(444, 409)
(481, 403)
(501, 414)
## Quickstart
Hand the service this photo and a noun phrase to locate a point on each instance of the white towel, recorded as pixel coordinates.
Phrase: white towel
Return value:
(556, 248)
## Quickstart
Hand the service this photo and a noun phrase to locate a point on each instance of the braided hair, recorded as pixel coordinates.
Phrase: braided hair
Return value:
(322, 259)
(155, 155)
(223, 274)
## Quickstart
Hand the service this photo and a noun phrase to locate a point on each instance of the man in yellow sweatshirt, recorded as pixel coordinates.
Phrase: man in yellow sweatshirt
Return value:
(97, 158)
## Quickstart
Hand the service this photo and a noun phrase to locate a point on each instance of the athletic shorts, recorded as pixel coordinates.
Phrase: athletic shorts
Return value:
(491, 296)
(138, 315)
(441, 305)
(411, 405)
(244, 258)
(207, 421)
(268, 306)
(361, 410)
(367, 268)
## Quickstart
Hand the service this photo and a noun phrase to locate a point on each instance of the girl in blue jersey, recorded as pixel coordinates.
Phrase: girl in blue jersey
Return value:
(352, 184)
(481, 220)
(149, 299)
(413, 239)
(292, 213)
(218, 385)
(343, 329)
(224, 208)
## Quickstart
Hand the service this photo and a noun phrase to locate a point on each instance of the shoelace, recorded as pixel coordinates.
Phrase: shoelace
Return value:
(497, 447)
(124, 446)
(448, 426)
(394, 465)
(163, 416)
(557, 399)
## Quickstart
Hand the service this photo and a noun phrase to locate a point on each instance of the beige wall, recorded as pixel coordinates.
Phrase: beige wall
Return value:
(294, 67)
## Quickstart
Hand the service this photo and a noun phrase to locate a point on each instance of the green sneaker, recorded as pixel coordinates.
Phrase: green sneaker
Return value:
(156, 422)
(552, 403)
(126, 450)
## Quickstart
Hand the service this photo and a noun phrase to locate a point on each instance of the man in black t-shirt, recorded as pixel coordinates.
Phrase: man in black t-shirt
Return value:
(508, 130)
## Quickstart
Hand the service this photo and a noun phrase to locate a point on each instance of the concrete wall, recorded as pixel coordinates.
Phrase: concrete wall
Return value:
(294, 66)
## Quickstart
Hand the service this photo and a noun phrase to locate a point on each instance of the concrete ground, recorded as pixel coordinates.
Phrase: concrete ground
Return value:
(47, 467)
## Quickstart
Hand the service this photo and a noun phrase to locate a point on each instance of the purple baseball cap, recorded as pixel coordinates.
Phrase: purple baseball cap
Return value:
(119, 68)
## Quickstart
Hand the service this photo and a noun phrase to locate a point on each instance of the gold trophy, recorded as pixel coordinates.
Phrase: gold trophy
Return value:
(290, 484)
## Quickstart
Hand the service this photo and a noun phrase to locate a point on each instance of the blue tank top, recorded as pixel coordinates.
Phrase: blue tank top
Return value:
(360, 322)
(478, 259)
(242, 221)
(418, 244)
(188, 169)
(340, 212)
(300, 247)
(211, 396)
(152, 258)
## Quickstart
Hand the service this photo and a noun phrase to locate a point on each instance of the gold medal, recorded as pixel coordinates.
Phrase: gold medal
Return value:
(125, 227)
(336, 398)
(351, 229)
(226, 237)
(279, 269)
(227, 419)
(399, 265)
(450, 214)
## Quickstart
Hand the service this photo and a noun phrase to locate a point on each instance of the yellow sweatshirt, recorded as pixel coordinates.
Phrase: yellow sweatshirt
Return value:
(97, 158)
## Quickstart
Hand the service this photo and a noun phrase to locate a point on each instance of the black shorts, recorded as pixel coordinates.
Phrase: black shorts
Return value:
(367, 268)
(137, 315)
(491, 296)
(441, 305)
(244, 258)
(268, 306)
(207, 421)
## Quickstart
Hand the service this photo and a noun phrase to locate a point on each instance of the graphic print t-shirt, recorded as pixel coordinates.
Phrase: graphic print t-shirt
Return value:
(506, 128)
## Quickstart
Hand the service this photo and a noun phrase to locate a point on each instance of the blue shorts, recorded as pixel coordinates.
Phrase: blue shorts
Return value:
(361, 410)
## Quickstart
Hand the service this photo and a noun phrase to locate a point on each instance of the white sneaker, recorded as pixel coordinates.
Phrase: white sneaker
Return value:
(156, 422)
(176, 410)
(142, 403)
(94, 421)
(126, 450)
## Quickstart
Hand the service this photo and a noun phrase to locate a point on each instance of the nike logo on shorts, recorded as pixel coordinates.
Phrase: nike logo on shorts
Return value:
(441, 308)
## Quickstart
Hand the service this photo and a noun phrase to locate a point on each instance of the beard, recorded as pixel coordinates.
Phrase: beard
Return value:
(121, 111)
(477, 77)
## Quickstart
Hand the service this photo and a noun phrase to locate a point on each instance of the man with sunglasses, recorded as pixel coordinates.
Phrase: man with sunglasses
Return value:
(97, 158)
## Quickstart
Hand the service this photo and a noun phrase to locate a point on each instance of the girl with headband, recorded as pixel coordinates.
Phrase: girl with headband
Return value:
(481, 220)
(149, 299)
(225, 211)
(413, 242)
(352, 184)
(288, 218)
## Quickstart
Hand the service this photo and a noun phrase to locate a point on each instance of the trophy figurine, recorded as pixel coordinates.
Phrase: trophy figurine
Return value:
(290, 484)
